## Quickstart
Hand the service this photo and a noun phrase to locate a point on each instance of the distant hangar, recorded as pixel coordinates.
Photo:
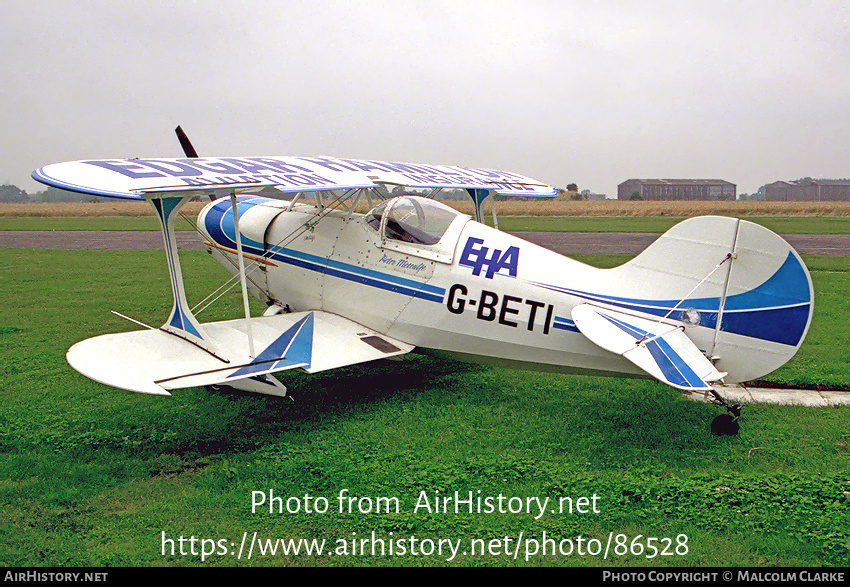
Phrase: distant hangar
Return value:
(676, 189)
(799, 190)
(808, 190)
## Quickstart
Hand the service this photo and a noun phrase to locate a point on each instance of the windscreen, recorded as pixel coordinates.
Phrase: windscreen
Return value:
(413, 219)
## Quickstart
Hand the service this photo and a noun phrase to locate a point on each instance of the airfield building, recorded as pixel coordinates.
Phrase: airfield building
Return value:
(808, 190)
(676, 189)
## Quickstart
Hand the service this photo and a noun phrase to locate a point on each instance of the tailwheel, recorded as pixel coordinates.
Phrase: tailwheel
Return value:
(725, 425)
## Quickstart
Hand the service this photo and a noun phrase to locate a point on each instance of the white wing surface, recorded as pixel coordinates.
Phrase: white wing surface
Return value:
(661, 349)
(153, 361)
(133, 178)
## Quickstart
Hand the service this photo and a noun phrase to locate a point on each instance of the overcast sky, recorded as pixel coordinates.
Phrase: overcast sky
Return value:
(587, 92)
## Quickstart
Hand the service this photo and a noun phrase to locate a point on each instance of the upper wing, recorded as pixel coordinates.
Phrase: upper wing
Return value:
(153, 361)
(662, 350)
(445, 176)
(132, 178)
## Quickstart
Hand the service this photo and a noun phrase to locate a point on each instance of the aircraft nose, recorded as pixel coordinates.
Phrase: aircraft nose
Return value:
(211, 213)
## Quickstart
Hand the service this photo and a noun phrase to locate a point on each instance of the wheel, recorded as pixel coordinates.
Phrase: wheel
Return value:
(725, 425)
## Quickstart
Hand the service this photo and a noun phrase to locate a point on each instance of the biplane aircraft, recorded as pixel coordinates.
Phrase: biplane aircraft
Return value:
(714, 299)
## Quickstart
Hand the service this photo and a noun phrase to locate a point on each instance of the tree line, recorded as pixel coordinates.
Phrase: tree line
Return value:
(12, 194)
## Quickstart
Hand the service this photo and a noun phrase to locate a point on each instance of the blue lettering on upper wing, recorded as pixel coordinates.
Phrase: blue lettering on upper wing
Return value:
(132, 169)
(173, 168)
(332, 164)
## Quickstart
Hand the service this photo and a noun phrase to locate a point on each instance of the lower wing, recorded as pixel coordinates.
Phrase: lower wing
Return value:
(154, 361)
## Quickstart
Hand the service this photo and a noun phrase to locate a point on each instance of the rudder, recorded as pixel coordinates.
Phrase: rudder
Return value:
(748, 295)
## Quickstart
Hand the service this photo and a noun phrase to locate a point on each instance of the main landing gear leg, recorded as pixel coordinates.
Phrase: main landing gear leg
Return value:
(726, 424)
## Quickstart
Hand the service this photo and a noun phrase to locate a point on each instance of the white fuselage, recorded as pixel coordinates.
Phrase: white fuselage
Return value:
(417, 271)
(478, 294)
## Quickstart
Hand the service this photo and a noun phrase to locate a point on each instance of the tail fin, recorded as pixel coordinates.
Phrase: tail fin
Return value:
(743, 294)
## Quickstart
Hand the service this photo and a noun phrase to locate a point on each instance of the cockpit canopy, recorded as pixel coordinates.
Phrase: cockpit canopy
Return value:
(417, 226)
(412, 219)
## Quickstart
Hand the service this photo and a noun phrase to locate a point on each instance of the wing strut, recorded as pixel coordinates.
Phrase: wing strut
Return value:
(241, 259)
(478, 196)
(181, 322)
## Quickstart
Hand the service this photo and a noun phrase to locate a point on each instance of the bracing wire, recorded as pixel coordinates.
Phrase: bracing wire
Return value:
(644, 340)
(232, 282)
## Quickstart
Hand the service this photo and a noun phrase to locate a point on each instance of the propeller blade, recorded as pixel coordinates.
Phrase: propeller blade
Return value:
(186, 143)
(190, 151)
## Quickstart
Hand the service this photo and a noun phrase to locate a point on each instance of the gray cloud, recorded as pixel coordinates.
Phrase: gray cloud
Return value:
(591, 92)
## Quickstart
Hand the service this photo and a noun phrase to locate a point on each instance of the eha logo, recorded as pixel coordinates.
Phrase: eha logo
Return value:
(476, 256)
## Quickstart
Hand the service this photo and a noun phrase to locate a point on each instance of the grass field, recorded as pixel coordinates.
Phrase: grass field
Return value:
(94, 476)
(778, 224)
(540, 207)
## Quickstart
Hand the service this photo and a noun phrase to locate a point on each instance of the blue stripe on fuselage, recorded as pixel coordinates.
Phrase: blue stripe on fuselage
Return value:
(777, 310)
(219, 226)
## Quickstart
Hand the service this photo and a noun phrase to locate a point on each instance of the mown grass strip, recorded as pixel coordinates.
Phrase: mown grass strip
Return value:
(797, 225)
(91, 475)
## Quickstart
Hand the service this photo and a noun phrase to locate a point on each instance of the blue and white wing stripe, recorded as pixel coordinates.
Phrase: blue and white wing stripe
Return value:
(662, 350)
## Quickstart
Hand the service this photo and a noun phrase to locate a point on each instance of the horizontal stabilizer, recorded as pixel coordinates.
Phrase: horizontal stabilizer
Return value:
(154, 361)
(660, 348)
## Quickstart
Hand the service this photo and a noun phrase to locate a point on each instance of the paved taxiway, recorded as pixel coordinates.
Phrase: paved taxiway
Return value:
(566, 243)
